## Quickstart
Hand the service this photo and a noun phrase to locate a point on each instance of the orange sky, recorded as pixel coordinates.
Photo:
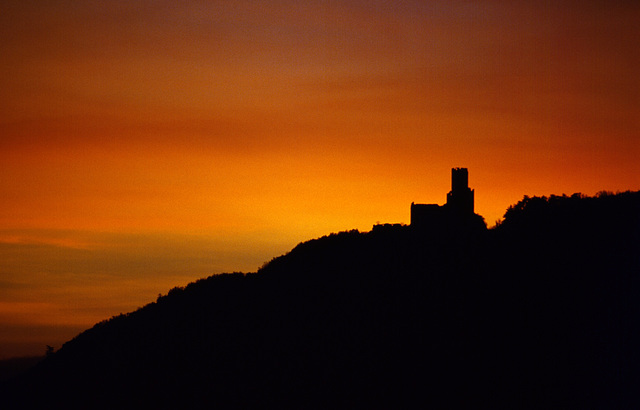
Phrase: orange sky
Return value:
(146, 144)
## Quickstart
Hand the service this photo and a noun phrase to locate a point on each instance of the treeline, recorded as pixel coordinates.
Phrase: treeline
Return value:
(541, 311)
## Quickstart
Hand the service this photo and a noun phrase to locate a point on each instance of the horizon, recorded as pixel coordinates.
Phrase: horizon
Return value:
(144, 146)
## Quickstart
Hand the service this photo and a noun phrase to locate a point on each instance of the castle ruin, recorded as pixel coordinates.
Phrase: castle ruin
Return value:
(460, 203)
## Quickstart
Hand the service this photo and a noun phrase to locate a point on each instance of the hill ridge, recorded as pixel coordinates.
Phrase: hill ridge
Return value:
(540, 310)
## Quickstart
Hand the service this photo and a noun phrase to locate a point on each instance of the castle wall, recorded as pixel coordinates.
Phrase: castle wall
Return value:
(425, 214)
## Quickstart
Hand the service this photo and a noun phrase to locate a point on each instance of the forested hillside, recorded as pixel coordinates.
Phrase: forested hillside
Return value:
(541, 311)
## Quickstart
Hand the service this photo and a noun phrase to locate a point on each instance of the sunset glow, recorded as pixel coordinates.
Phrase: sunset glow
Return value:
(144, 145)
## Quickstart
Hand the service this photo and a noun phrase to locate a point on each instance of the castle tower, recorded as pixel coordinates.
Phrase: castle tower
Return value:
(460, 199)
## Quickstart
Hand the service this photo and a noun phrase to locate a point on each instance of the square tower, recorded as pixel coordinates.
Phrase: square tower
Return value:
(460, 199)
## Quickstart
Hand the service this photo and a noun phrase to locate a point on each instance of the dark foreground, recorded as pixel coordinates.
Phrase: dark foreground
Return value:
(543, 311)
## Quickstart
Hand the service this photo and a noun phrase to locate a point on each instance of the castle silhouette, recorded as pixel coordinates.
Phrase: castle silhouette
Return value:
(460, 204)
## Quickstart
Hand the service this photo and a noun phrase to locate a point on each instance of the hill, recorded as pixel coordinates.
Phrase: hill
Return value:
(541, 311)
(10, 368)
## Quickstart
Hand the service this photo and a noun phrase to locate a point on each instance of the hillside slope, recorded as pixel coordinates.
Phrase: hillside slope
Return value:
(543, 310)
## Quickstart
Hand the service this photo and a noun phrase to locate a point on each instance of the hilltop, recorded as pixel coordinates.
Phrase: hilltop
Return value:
(542, 310)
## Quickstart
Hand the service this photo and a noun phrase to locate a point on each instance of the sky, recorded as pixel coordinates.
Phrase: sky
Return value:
(147, 144)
